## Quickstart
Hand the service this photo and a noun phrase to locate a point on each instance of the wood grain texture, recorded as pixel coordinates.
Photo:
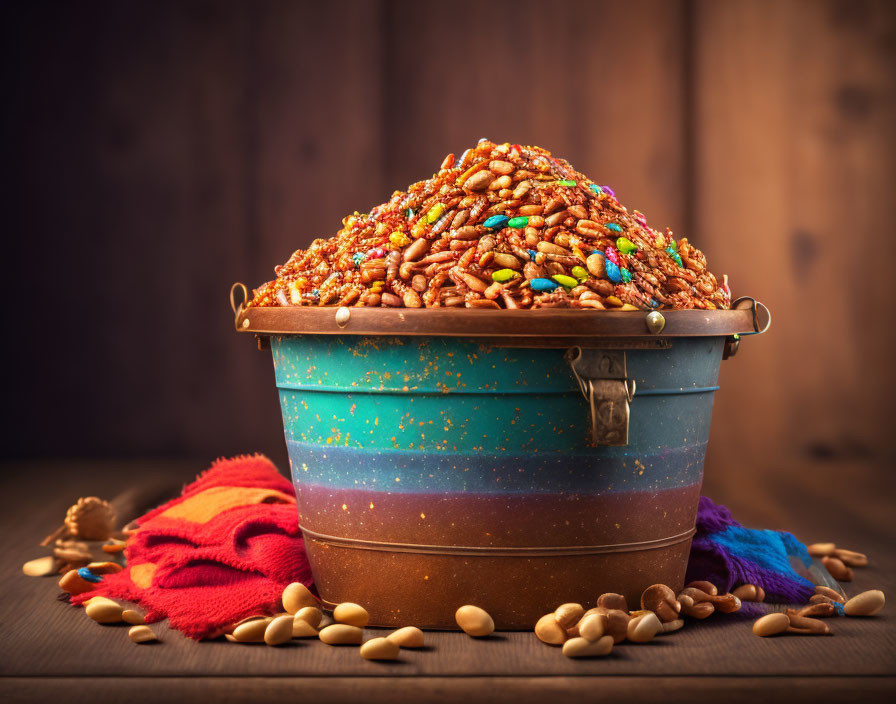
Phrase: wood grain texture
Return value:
(564, 77)
(443, 690)
(47, 638)
(794, 166)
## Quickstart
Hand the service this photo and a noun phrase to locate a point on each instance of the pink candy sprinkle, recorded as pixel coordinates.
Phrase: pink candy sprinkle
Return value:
(613, 255)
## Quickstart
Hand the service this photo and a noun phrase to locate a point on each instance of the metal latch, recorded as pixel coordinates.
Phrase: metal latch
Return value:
(604, 382)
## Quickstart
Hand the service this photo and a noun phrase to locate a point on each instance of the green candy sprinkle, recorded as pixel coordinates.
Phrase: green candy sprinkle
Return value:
(626, 274)
(626, 246)
(518, 223)
(566, 182)
(580, 272)
(502, 275)
(565, 281)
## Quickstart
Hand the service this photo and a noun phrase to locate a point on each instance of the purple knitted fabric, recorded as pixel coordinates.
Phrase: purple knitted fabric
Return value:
(727, 554)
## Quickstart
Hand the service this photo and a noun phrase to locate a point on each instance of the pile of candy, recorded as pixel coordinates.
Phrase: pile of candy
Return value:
(504, 226)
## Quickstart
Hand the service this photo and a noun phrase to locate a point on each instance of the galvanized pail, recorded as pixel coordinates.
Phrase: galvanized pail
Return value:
(509, 459)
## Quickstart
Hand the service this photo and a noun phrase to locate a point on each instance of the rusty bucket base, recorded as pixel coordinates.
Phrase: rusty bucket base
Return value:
(424, 590)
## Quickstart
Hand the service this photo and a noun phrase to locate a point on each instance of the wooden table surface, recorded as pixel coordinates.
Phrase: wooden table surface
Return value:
(50, 650)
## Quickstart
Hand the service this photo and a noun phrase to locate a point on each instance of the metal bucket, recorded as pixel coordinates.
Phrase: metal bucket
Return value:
(509, 459)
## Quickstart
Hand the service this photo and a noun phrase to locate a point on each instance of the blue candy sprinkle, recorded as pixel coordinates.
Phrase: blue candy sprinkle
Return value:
(315, 293)
(89, 576)
(613, 273)
(532, 254)
(496, 222)
(594, 187)
(543, 284)
(838, 607)
(614, 227)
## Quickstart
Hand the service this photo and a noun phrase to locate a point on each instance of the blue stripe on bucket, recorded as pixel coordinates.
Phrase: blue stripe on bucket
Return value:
(417, 391)
(400, 471)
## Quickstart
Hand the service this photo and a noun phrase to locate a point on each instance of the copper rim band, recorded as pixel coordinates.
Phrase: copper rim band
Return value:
(547, 551)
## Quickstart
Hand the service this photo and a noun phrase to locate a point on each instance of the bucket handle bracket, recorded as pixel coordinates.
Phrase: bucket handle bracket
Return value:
(604, 382)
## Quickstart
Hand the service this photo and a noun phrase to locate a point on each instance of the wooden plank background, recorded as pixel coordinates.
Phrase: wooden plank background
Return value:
(157, 152)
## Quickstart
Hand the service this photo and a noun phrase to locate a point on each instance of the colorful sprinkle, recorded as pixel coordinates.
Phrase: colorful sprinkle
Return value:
(609, 191)
(532, 254)
(89, 576)
(612, 255)
(675, 255)
(565, 281)
(625, 245)
(613, 226)
(566, 182)
(579, 272)
(594, 187)
(626, 275)
(543, 284)
(376, 253)
(613, 273)
(358, 258)
(409, 213)
(315, 293)
(435, 212)
(496, 222)
(399, 239)
(518, 223)
(502, 275)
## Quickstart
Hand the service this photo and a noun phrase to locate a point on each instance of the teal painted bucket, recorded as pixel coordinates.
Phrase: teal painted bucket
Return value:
(511, 470)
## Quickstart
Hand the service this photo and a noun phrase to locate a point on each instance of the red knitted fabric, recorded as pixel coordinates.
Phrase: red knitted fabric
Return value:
(224, 550)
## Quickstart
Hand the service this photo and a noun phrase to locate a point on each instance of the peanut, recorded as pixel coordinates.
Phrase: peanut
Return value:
(821, 549)
(838, 570)
(865, 604)
(341, 634)
(642, 629)
(610, 600)
(661, 600)
(592, 626)
(132, 617)
(351, 614)
(311, 614)
(474, 621)
(749, 592)
(104, 611)
(141, 634)
(295, 596)
(380, 649)
(41, 567)
(279, 630)
(582, 648)
(848, 557)
(771, 625)
(251, 630)
(547, 630)
(568, 614)
(407, 637)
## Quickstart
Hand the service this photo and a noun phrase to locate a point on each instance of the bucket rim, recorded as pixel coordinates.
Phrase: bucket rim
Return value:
(745, 317)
